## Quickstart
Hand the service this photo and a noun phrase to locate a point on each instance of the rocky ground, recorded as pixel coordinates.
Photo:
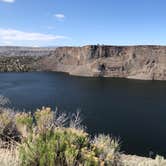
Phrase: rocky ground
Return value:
(132, 160)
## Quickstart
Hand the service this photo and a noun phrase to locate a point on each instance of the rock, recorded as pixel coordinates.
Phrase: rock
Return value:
(134, 62)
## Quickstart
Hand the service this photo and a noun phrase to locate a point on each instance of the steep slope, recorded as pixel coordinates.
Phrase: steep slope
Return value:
(137, 62)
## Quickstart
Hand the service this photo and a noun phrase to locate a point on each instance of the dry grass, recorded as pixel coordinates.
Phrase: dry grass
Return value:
(131, 160)
(9, 156)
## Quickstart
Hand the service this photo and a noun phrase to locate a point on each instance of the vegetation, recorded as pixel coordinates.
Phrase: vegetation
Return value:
(47, 138)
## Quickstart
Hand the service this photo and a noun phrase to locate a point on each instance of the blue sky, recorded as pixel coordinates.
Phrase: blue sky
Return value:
(82, 22)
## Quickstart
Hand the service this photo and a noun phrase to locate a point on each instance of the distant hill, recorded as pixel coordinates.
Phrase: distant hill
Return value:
(25, 51)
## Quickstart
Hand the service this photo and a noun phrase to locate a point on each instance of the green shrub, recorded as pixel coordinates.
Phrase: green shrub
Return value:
(47, 138)
(59, 147)
(54, 145)
(24, 123)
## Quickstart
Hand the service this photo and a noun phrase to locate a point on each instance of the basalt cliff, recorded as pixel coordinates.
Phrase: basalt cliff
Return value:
(136, 62)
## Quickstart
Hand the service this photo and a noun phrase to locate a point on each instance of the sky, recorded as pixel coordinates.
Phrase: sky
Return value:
(82, 22)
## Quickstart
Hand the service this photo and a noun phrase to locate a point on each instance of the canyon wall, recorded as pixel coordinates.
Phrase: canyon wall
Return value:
(136, 62)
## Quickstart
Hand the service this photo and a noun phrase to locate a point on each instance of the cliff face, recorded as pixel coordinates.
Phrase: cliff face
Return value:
(137, 62)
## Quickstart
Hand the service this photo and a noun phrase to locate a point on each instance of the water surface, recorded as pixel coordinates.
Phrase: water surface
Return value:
(133, 110)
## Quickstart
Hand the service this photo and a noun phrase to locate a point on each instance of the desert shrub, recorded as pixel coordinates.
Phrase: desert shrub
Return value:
(44, 119)
(107, 149)
(59, 147)
(47, 138)
(75, 121)
(8, 129)
(24, 123)
(51, 143)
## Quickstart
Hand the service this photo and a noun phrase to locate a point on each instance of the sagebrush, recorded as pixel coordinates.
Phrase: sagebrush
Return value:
(46, 138)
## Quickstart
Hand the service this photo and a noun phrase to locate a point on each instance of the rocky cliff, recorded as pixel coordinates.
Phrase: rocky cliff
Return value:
(137, 62)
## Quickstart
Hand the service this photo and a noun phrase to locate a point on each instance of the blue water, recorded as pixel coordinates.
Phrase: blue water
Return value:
(133, 110)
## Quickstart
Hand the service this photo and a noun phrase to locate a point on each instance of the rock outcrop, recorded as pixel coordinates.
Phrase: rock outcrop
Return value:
(136, 62)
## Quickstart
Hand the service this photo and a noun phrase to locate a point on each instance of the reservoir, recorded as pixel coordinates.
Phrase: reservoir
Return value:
(132, 110)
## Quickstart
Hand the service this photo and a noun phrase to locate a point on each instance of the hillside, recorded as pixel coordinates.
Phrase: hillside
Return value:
(136, 62)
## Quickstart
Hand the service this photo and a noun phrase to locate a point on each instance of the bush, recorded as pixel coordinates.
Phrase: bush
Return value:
(8, 129)
(51, 144)
(107, 149)
(47, 138)
(61, 147)
(24, 123)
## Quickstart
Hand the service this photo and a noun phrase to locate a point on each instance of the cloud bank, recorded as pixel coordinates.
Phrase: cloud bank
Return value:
(16, 35)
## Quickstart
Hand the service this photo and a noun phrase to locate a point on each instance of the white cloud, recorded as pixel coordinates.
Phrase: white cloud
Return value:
(12, 35)
(35, 46)
(8, 1)
(59, 16)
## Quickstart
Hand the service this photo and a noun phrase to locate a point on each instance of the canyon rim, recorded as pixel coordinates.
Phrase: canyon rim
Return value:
(133, 62)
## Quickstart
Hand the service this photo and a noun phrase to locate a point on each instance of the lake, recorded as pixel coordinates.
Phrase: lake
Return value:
(132, 110)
